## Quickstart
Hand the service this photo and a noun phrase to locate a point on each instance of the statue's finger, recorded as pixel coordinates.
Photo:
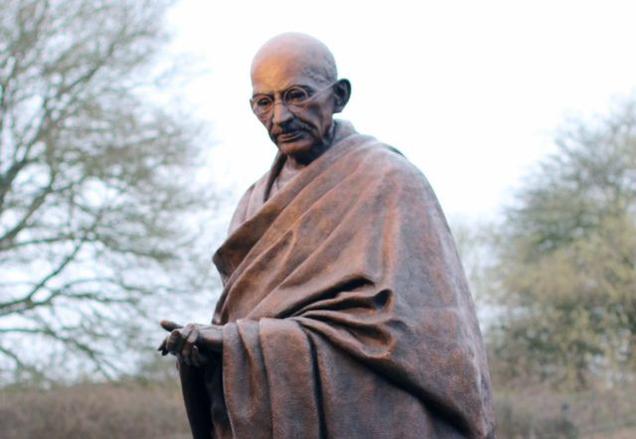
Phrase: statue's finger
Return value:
(165, 351)
(170, 325)
(182, 335)
(190, 334)
(162, 347)
(174, 342)
(170, 342)
(184, 354)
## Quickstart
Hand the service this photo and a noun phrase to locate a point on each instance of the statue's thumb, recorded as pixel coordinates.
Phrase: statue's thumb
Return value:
(170, 326)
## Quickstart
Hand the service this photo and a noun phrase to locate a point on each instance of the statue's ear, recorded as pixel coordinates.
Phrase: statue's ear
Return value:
(342, 93)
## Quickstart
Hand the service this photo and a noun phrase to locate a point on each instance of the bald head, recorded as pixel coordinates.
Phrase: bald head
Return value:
(299, 73)
(305, 54)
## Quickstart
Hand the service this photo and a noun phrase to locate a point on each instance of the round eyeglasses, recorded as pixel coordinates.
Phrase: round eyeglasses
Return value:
(292, 97)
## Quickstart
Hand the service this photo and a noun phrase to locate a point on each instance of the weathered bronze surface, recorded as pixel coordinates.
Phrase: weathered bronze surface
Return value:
(345, 311)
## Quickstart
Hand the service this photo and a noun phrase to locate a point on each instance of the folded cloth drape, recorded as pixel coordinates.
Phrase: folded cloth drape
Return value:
(345, 308)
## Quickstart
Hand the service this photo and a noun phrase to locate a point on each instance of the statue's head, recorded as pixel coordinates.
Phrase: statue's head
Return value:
(295, 93)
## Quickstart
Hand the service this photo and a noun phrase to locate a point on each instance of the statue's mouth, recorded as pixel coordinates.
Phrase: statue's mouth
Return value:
(290, 136)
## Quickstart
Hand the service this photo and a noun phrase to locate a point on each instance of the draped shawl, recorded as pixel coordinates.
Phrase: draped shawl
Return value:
(345, 309)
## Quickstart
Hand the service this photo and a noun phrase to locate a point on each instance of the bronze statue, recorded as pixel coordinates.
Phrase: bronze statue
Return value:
(345, 311)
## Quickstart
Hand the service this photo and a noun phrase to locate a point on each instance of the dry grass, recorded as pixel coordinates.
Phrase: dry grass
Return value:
(94, 411)
(535, 412)
(133, 409)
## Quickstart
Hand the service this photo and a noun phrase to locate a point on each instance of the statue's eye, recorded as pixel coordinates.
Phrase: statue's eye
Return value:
(296, 95)
(263, 102)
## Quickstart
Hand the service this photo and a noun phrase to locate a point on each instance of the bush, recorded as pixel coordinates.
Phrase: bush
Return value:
(533, 411)
(93, 411)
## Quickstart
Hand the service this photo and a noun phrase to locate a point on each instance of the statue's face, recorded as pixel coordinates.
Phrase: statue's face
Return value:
(295, 107)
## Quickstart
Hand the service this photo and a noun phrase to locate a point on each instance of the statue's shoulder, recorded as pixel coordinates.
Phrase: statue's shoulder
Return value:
(385, 160)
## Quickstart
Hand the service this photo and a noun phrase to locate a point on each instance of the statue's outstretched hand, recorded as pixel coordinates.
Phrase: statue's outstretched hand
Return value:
(193, 343)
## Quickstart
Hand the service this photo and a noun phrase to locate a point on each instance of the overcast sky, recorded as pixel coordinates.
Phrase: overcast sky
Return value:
(470, 91)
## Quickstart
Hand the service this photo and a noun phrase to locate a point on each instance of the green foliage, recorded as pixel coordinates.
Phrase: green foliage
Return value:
(567, 260)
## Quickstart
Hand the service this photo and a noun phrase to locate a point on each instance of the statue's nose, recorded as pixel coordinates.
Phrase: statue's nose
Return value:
(281, 113)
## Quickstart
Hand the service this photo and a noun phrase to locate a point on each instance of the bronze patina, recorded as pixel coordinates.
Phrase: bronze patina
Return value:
(345, 311)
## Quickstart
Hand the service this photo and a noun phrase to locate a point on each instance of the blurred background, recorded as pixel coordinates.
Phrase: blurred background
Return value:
(126, 139)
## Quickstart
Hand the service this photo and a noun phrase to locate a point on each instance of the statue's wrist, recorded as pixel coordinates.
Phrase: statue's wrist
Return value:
(211, 339)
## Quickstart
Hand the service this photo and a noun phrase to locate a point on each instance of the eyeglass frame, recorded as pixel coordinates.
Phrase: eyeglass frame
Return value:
(289, 106)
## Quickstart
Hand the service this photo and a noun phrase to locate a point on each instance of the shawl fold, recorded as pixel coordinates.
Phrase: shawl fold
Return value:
(345, 308)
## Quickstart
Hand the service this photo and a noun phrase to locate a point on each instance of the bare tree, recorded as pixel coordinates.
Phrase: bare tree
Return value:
(95, 182)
